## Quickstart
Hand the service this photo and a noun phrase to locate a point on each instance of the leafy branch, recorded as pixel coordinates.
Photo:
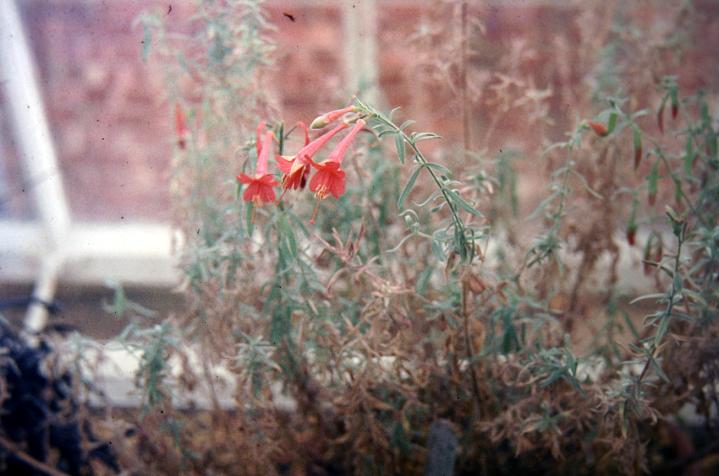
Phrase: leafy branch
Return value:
(463, 234)
(663, 318)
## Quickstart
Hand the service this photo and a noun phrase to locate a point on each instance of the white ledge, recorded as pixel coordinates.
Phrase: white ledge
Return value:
(130, 253)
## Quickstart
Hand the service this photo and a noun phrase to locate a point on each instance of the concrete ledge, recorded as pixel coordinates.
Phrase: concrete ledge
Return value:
(131, 253)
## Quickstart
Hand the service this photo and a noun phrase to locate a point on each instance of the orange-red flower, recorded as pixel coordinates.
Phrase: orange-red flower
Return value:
(260, 187)
(330, 178)
(296, 168)
(180, 126)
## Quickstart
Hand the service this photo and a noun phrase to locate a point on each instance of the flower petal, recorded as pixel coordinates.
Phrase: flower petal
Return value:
(268, 180)
(244, 178)
(317, 180)
(304, 128)
(284, 163)
(338, 184)
(267, 194)
(250, 192)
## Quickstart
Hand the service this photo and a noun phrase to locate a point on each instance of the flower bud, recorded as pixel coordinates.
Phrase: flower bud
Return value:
(329, 117)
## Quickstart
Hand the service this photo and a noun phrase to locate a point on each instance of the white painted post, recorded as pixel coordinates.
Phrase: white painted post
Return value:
(360, 49)
(37, 154)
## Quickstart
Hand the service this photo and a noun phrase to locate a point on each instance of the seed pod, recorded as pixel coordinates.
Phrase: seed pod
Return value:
(180, 126)
(599, 128)
(637, 138)
(675, 102)
(631, 234)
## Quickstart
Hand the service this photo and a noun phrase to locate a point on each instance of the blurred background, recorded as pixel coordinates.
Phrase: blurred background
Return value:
(111, 122)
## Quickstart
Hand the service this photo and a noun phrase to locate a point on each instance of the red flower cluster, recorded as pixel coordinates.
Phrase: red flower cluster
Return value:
(329, 178)
(260, 187)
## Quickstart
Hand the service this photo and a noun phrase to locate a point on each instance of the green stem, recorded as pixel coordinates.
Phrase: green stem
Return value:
(670, 307)
(422, 160)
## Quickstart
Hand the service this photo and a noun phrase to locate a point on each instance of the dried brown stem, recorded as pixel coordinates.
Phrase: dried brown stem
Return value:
(468, 344)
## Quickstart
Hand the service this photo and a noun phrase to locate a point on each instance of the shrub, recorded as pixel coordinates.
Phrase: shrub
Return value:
(410, 304)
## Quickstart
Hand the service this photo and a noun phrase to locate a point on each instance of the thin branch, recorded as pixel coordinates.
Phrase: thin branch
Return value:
(468, 344)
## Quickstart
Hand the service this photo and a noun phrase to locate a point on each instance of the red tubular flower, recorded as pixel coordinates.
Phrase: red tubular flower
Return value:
(260, 187)
(180, 126)
(330, 117)
(599, 128)
(330, 178)
(297, 168)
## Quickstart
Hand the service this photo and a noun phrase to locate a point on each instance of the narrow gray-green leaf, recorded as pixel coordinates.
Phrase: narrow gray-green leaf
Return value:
(408, 188)
(662, 330)
(462, 203)
(425, 136)
(406, 124)
(399, 143)
(440, 168)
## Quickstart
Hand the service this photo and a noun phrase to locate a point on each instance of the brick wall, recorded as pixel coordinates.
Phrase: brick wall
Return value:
(111, 123)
